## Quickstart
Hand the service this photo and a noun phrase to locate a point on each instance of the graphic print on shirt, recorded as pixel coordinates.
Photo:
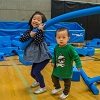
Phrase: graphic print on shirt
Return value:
(60, 61)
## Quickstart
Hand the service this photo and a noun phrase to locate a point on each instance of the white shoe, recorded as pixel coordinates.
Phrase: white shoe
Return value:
(35, 84)
(40, 90)
(56, 90)
(63, 96)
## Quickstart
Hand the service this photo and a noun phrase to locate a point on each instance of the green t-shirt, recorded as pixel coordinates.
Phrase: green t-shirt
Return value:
(63, 60)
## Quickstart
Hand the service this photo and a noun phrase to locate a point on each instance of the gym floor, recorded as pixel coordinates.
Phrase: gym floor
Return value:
(15, 81)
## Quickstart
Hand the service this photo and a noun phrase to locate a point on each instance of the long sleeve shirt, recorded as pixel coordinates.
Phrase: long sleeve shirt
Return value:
(63, 60)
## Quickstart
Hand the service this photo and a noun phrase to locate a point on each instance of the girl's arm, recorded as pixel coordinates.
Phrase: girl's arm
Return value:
(30, 34)
(27, 35)
(41, 27)
(39, 37)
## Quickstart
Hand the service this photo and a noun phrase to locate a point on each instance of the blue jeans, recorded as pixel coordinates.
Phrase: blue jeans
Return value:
(36, 72)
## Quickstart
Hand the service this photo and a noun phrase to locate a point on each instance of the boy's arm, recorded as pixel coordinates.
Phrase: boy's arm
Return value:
(54, 57)
(76, 58)
(53, 60)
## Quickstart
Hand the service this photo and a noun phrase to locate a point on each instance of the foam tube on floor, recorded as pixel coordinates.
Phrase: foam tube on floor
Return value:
(92, 80)
(92, 87)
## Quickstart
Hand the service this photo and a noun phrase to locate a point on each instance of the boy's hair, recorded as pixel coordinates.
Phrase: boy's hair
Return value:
(62, 29)
(39, 13)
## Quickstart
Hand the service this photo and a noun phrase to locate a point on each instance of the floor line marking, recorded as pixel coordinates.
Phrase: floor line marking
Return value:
(23, 79)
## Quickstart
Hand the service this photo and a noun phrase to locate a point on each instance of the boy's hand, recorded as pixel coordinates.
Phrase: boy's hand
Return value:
(52, 64)
(78, 69)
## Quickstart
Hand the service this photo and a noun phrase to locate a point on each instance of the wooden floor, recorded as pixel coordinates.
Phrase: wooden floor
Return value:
(15, 81)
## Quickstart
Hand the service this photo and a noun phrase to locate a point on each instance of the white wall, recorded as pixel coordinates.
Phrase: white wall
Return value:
(21, 10)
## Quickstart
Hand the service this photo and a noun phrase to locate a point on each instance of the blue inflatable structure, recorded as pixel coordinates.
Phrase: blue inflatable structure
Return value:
(76, 31)
(1, 56)
(71, 15)
(94, 43)
(5, 41)
(85, 51)
(13, 29)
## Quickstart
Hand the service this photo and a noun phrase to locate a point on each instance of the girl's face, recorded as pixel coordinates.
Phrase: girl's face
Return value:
(62, 38)
(36, 20)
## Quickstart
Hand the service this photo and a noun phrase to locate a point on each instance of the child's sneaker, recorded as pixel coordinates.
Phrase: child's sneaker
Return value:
(40, 90)
(56, 90)
(63, 96)
(35, 84)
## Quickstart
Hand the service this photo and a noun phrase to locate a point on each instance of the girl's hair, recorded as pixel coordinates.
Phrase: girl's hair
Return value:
(39, 13)
(62, 29)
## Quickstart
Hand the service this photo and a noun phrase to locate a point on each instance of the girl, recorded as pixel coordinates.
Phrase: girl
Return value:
(36, 51)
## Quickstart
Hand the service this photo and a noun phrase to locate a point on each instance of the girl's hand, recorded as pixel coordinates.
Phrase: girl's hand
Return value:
(41, 27)
(32, 34)
(52, 64)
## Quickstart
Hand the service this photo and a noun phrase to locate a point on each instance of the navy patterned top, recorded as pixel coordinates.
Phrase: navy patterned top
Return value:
(37, 51)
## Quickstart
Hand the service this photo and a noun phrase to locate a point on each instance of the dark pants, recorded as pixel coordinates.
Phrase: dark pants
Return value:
(67, 84)
(36, 72)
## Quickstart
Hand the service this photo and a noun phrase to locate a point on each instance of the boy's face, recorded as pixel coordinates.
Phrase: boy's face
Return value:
(36, 20)
(62, 37)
